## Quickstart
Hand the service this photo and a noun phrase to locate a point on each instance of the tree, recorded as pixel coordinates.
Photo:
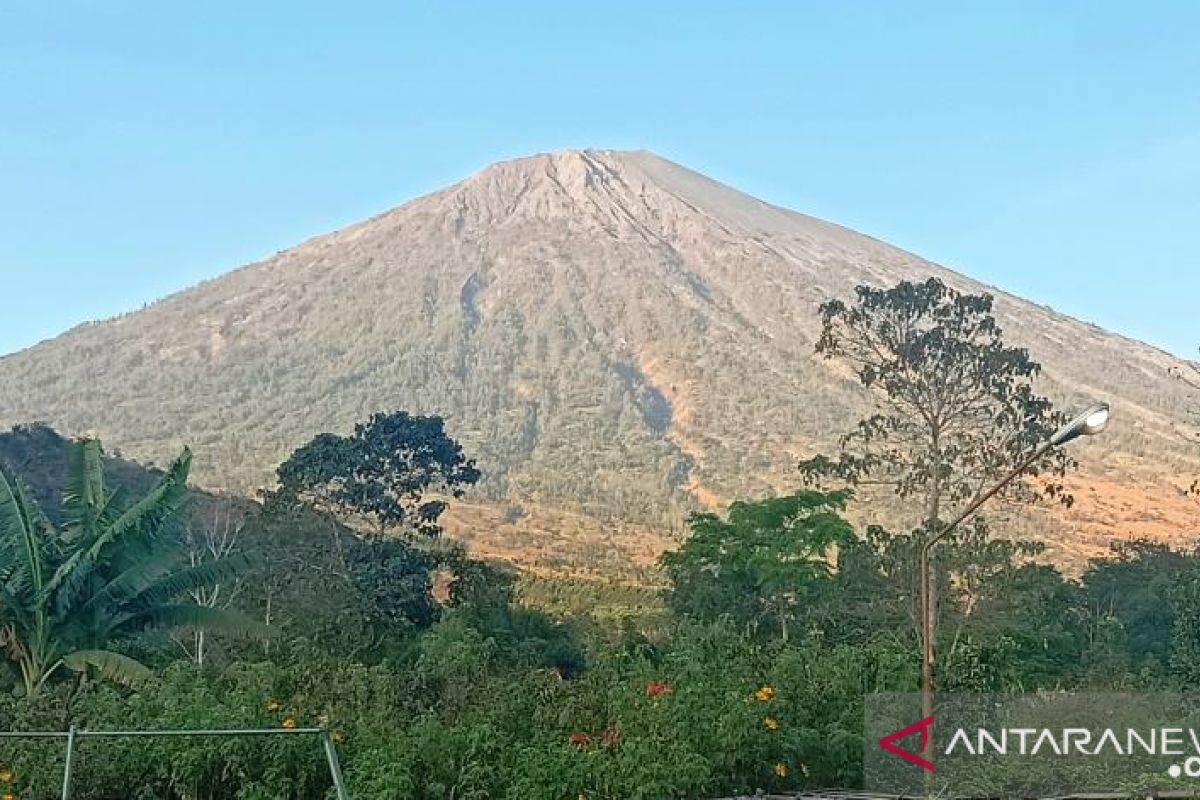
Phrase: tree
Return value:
(69, 594)
(872, 595)
(954, 406)
(1185, 638)
(301, 583)
(317, 581)
(213, 533)
(1132, 588)
(1024, 619)
(766, 560)
(383, 472)
(393, 580)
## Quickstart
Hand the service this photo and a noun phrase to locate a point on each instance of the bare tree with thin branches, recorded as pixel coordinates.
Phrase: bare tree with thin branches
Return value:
(212, 534)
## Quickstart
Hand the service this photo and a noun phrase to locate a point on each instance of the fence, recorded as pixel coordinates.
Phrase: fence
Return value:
(74, 735)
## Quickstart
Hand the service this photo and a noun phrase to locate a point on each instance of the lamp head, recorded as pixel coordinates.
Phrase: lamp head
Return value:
(1089, 423)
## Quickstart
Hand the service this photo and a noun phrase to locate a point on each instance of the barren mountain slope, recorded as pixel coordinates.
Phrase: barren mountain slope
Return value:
(616, 338)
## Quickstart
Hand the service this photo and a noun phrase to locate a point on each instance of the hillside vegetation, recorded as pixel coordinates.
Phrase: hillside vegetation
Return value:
(617, 340)
(437, 675)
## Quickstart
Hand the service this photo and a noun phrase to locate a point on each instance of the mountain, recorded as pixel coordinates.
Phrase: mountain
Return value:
(38, 455)
(616, 338)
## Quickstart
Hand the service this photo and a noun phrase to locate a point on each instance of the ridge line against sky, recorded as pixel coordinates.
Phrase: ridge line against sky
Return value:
(218, 272)
(1051, 151)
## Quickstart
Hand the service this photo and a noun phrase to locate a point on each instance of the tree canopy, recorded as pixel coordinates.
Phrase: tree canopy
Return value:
(766, 560)
(955, 406)
(383, 472)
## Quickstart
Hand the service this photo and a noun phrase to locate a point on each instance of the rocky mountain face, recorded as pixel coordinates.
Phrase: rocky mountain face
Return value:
(616, 338)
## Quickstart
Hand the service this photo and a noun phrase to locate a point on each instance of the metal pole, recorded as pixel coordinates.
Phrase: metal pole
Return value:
(212, 732)
(66, 792)
(34, 734)
(926, 634)
(335, 768)
(927, 600)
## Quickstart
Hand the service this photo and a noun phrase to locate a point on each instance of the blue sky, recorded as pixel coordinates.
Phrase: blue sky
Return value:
(1049, 148)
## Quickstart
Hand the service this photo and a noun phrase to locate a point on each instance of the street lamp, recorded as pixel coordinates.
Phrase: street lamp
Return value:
(1088, 423)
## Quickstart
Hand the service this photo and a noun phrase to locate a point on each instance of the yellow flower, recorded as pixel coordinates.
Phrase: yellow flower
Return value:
(781, 769)
(273, 705)
(9, 796)
(338, 737)
(289, 721)
(771, 723)
(6, 775)
(764, 693)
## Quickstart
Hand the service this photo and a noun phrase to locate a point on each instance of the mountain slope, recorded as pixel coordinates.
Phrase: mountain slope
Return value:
(617, 338)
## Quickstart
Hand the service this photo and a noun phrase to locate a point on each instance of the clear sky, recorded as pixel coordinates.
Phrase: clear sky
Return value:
(1049, 148)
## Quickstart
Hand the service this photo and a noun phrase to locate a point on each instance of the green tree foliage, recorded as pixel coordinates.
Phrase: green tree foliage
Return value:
(955, 407)
(1131, 591)
(468, 717)
(383, 472)
(69, 594)
(1185, 639)
(323, 586)
(482, 703)
(766, 562)
(1008, 621)
(872, 592)
(482, 595)
(393, 579)
(368, 598)
(477, 692)
(1019, 627)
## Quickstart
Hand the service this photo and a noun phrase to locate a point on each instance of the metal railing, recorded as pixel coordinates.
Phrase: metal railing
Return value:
(74, 734)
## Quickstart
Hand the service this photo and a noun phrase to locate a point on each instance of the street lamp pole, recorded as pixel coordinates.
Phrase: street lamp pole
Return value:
(1089, 423)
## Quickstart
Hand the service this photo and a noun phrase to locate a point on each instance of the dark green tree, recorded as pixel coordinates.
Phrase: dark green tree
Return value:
(1008, 622)
(1129, 596)
(767, 562)
(1019, 627)
(480, 586)
(383, 472)
(871, 597)
(393, 579)
(320, 583)
(1185, 634)
(954, 405)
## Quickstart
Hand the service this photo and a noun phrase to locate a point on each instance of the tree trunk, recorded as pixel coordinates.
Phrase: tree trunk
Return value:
(927, 577)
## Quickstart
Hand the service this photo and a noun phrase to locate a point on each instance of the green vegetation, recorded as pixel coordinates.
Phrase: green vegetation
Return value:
(765, 563)
(382, 473)
(126, 605)
(778, 619)
(68, 594)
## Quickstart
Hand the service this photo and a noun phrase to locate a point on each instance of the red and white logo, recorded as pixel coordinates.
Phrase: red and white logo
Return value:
(889, 743)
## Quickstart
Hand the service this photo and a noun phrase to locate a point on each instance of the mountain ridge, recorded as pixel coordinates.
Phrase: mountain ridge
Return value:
(991, 288)
(618, 337)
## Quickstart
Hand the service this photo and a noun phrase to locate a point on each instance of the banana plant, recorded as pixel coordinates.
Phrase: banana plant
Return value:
(72, 594)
